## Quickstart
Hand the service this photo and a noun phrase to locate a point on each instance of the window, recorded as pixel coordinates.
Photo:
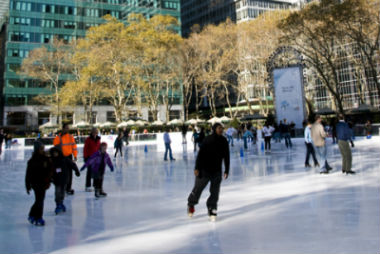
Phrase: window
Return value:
(16, 83)
(14, 67)
(15, 101)
(111, 116)
(174, 114)
(43, 117)
(67, 117)
(16, 118)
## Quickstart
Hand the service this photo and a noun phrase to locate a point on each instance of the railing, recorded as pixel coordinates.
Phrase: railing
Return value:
(81, 139)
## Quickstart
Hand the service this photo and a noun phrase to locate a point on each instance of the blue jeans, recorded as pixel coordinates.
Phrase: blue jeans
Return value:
(322, 153)
(168, 148)
(230, 139)
(288, 141)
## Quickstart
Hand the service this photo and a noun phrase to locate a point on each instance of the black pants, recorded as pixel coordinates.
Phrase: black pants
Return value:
(37, 209)
(119, 149)
(59, 193)
(69, 176)
(200, 184)
(267, 143)
(88, 176)
(310, 150)
(98, 183)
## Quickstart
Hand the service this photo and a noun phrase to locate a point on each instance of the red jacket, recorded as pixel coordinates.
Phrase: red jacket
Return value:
(91, 146)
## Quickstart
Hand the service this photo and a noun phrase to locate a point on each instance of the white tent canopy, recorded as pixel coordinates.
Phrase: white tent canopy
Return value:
(81, 124)
(175, 121)
(225, 119)
(107, 125)
(140, 123)
(214, 120)
(48, 125)
(158, 123)
(192, 121)
(122, 125)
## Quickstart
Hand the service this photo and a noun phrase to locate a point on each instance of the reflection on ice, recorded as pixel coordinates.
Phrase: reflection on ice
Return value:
(270, 204)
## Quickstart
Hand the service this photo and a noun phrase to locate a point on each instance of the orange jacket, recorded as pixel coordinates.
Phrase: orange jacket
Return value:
(69, 147)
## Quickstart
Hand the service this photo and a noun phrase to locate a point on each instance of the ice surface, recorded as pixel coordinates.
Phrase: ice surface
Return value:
(270, 204)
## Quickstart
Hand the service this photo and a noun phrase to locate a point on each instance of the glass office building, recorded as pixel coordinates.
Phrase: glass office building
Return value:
(33, 23)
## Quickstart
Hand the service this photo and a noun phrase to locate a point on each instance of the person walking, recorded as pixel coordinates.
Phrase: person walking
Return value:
(98, 162)
(309, 146)
(318, 136)
(267, 132)
(344, 136)
(2, 136)
(168, 148)
(38, 174)
(8, 140)
(91, 146)
(208, 168)
(118, 145)
(230, 135)
(184, 133)
(247, 135)
(195, 138)
(61, 166)
(368, 129)
(285, 133)
(201, 137)
(66, 143)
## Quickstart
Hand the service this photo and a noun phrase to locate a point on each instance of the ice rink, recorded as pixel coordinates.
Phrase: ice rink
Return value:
(270, 204)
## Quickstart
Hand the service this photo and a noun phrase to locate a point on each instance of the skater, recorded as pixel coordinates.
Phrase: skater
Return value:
(184, 132)
(168, 148)
(201, 137)
(61, 166)
(8, 140)
(368, 129)
(344, 136)
(247, 134)
(38, 175)
(118, 145)
(285, 133)
(208, 168)
(318, 135)
(195, 138)
(309, 146)
(65, 142)
(230, 135)
(267, 132)
(98, 162)
(1, 140)
(91, 146)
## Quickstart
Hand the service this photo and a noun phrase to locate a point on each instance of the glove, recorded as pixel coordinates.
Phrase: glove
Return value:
(28, 191)
(77, 173)
(82, 168)
(112, 169)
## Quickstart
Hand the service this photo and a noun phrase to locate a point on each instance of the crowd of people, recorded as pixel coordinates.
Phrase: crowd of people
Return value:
(58, 164)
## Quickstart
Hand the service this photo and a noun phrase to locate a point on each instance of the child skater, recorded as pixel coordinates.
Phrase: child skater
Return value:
(98, 163)
(38, 176)
(61, 167)
(118, 145)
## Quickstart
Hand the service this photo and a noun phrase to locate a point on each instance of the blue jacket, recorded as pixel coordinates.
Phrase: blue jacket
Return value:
(343, 131)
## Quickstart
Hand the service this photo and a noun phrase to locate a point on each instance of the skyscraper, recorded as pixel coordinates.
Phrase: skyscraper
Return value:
(33, 23)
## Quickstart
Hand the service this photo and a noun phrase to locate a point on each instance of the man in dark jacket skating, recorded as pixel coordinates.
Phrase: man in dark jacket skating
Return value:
(208, 168)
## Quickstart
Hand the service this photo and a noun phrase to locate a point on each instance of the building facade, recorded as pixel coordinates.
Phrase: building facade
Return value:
(33, 23)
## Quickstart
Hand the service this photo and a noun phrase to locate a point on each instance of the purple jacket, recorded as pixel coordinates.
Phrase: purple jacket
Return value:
(95, 160)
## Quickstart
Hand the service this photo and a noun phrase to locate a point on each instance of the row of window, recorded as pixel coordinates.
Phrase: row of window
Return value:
(51, 23)
(61, 9)
(262, 4)
(38, 37)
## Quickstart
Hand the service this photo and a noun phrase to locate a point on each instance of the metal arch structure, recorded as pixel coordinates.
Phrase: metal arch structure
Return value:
(271, 63)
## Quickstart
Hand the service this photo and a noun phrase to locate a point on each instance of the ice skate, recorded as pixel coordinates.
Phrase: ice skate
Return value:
(70, 192)
(102, 194)
(97, 193)
(190, 211)
(39, 222)
(212, 214)
(31, 219)
(58, 209)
